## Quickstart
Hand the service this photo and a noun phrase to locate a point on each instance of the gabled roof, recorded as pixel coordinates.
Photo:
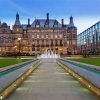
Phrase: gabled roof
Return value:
(43, 21)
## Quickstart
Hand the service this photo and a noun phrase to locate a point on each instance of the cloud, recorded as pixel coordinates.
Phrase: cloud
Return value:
(19, 8)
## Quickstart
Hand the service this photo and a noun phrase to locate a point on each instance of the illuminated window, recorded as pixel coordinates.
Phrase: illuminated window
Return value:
(51, 36)
(73, 42)
(37, 36)
(17, 29)
(37, 26)
(56, 36)
(60, 36)
(46, 25)
(68, 42)
(32, 36)
(46, 36)
(24, 31)
(42, 36)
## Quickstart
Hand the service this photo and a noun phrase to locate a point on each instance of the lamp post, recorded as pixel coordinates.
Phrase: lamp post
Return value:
(19, 39)
(85, 49)
(81, 50)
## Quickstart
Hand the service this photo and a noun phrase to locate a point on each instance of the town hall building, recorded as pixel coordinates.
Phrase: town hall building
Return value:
(39, 35)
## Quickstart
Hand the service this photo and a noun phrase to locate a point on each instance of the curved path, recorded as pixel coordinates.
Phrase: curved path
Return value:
(51, 82)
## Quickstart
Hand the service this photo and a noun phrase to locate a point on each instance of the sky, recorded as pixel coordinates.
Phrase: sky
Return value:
(85, 12)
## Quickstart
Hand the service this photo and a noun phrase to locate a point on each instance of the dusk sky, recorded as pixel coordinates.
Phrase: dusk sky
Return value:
(85, 12)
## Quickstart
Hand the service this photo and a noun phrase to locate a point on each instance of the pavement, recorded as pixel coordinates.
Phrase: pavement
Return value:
(51, 82)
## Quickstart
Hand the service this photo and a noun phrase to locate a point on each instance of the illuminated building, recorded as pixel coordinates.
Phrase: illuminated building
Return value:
(42, 34)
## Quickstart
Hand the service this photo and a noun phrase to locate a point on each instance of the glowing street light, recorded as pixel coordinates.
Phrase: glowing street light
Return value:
(1, 97)
(19, 38)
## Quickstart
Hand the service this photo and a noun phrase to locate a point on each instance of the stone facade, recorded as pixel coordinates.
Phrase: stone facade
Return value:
(36, 37)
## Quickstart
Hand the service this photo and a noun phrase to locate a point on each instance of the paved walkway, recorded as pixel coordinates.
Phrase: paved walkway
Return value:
(50, 82)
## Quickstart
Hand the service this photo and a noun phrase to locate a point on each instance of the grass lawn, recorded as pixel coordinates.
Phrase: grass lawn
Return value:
(93, 61)
(6, 62)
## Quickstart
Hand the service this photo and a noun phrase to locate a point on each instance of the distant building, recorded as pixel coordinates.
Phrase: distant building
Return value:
(36, 37)
(89, 40)
(6, 38)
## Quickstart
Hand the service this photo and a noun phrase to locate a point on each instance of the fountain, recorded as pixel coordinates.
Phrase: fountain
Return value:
(48, 54)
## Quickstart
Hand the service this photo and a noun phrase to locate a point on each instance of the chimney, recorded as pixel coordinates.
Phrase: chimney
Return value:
(62, 21)
(28, 21)
(47, 16)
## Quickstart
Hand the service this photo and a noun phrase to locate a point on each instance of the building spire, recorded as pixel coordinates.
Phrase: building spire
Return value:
(47, 16)
(17, 21)
(71, 21)
(17, 16)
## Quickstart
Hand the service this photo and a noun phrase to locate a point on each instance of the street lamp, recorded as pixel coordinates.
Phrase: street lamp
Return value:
(85, 49)
(19, 39)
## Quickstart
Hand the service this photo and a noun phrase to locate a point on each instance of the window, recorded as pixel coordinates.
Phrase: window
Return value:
(42, 36)
(37, 36)
(1, 40)
(60, 36)
(51, 42)
(17, 29)
(51, 36)
(37, 26)
(24, 31)
(46, 36)
(33, 49)
(32, 36)
(61, 43)
(56, 42)
(56, 36)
